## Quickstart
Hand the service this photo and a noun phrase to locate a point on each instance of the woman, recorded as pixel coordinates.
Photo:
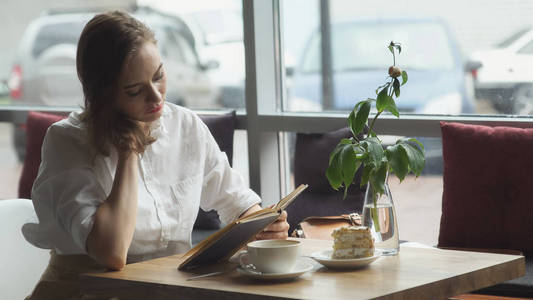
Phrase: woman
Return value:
(122, 181)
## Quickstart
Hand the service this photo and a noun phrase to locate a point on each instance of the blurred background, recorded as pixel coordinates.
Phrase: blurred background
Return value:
(463, 58)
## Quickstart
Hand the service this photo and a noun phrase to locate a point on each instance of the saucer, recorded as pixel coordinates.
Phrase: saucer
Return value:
(324, 257)
(299, 269)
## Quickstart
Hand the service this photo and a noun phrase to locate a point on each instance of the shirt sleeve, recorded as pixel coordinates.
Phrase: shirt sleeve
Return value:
(66, 185)
(224, 189)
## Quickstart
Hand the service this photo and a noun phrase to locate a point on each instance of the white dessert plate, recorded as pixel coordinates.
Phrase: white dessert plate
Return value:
(299, 269)
(324, 257)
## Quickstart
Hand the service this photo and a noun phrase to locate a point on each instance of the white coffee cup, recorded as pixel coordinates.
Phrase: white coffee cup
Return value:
(272, 256)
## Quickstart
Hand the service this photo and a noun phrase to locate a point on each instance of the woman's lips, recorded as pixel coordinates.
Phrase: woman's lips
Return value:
(155, 109)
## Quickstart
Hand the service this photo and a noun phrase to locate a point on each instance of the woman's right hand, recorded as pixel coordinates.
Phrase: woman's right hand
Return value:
(114, 221)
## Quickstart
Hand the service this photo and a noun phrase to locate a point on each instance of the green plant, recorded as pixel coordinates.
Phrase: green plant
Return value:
(368, 153)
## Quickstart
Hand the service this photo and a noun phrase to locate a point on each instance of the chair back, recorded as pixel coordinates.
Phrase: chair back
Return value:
(311, 158)
(488, 187)
(222, 128)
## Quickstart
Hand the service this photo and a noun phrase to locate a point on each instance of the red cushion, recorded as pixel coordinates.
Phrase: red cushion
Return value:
(36, 126)
(488, 187)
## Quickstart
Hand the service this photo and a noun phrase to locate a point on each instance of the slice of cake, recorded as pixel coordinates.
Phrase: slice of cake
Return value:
(352, 242)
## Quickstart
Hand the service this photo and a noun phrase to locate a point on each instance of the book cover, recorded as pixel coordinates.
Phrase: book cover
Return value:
(227, 241)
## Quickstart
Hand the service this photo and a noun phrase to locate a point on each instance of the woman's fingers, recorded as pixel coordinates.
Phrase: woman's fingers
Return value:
(276, 230)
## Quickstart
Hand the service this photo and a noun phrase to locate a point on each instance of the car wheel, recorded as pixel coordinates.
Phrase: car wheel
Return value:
(523, 100)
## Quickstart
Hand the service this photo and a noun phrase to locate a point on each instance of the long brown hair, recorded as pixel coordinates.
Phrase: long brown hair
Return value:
(105, 44)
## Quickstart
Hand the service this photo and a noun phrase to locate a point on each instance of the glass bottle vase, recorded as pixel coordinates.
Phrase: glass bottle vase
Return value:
(380, 216)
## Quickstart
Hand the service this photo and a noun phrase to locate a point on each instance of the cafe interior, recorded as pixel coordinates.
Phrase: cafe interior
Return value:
(411, 118)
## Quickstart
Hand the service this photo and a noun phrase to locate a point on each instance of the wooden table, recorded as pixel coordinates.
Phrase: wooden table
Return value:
(416, 273)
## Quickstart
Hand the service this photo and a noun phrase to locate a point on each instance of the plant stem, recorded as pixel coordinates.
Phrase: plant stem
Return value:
(372, 124)
(374, 210)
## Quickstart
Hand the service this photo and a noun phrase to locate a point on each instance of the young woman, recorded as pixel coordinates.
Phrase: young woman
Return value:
(122, 181)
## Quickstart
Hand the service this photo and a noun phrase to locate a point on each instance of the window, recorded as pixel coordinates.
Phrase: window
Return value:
(443, 51)
(38, 69)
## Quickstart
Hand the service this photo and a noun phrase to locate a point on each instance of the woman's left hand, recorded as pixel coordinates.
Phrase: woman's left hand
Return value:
(276, 230)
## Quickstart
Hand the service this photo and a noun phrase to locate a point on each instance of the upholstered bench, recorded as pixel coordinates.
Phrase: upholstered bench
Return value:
(311, 157)
(222, 128)
(488, 195)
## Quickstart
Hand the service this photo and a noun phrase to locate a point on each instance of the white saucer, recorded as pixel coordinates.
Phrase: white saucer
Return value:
(324, 257)
(299, 269)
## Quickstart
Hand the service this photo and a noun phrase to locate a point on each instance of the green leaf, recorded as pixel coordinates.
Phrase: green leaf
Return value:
(391, 48)
(399, 48)
(383, 100)
(374, 149)
(334, 173)
(351, 122)
(393, 109)
(404, 77)
(367, 169)
(398, 161)
(348, 164)
(415, 157)
(396, 87)
(385, 86)
(361, 117)
(378, 177)
(336, 151)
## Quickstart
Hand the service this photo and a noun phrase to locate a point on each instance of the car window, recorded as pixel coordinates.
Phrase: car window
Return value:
(220, 26)
(508, 41)
(354, 47)
(168, 46)
(527, 49)
(55, 34)
(188, 53)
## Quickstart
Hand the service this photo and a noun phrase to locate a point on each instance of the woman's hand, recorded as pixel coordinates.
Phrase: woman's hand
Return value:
(276, 230)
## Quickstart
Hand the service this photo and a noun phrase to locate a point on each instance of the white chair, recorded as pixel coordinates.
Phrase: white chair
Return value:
(21, 263)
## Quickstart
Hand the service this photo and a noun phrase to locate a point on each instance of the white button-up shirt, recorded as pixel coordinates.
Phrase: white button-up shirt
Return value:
(181, 171)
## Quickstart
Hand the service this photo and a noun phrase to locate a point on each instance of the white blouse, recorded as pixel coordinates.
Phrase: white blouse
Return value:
(180, 172)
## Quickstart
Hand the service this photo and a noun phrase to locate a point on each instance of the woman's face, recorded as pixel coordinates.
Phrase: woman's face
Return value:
(142, 85)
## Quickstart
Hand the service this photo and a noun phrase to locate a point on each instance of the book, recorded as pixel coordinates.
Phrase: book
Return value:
(221, 245)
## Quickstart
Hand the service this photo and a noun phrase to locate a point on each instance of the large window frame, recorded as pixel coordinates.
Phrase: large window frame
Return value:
(264, 120)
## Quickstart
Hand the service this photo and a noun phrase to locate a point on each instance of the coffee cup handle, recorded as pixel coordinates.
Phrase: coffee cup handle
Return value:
(241, 256)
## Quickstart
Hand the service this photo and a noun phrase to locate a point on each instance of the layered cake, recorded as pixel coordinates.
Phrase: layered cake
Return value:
(352, 242)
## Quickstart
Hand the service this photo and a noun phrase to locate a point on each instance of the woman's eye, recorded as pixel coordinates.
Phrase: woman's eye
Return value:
(159, 76)
(134, 93)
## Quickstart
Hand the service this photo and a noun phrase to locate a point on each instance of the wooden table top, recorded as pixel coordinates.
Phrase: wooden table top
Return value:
(415, 273)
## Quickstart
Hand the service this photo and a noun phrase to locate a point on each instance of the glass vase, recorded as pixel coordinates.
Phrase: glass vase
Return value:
(380, 216)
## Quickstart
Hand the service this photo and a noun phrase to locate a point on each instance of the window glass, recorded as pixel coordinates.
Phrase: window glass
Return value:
(56, 34)
(38, 65)
(453, 58)
(527, 49)
(188, 53)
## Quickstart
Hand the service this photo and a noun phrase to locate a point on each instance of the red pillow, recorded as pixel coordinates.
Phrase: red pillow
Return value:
(36, 126)
(488, 187)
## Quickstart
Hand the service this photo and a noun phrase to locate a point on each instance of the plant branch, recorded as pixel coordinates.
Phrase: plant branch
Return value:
(372, 124)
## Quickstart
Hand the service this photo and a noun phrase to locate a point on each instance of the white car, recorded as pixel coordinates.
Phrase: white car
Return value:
(44, 71)
(219, 39)
(506, 74)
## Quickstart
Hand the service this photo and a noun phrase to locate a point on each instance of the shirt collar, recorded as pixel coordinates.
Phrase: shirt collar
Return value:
(157, 128)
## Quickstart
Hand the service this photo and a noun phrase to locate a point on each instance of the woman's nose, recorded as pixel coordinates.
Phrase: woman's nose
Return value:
(154, 95)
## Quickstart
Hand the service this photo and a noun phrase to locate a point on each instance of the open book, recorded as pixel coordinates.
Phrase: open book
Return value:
(222, 244)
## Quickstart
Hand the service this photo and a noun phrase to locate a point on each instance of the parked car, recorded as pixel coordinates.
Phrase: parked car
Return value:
(440, 79)
(44, 72)
(506, 75)
(218, 33)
